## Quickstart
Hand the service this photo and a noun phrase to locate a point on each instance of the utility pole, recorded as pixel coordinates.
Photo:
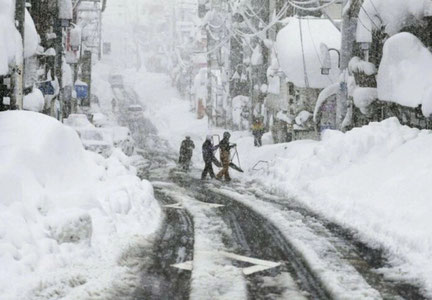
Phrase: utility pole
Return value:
(348, 29)
(209, 103)
(58, 30)
(17, 80)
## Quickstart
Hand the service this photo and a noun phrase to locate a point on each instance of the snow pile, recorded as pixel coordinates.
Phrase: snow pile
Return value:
(66, 214)
(238, 103)
(363, 97)
(326, 93)
(356, 65)
(392, 14)
(374, 179)
(34, 101)
(405, 73)
(7, 34)
(302, 117)
(257, 56)
(10, 40)
(32, 39)
(304, 36)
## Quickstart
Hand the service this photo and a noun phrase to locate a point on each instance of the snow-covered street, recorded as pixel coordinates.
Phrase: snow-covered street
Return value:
(315, 117)
(324, 259)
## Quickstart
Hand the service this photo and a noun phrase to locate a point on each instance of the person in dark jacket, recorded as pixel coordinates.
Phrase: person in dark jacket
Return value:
(186, 151)
(208, 150)
(225, 148)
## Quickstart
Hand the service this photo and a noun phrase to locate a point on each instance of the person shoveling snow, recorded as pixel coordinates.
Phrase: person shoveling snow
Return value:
(225, 157)
(208, 150)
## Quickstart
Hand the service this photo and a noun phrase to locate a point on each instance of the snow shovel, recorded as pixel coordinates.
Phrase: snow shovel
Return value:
(216, 162)
(214, 159)
(234, 166)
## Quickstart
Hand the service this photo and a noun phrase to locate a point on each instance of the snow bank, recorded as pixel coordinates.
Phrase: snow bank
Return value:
(10, 39)
(356, 65)
(7, 35)
(65, 213)
(34, 101)
(392, 14)
(363, 97)
(405, 72)
(374, 179)
(32, 39)
(290, 51)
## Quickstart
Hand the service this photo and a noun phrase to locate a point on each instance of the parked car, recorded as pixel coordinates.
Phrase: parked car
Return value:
(122, 138)
(135, 108)
(97, 140)
(116, 80)
(100, 120)
(77, 121)
(94, 139)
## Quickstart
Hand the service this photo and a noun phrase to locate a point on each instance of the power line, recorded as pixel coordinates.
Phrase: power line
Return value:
(367, 14)
(296, 4)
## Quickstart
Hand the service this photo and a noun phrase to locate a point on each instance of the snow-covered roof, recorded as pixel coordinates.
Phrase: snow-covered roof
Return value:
(290, 51)
(405, 72)
(392, 14)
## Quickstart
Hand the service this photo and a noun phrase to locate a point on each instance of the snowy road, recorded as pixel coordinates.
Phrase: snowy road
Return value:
(239, 242)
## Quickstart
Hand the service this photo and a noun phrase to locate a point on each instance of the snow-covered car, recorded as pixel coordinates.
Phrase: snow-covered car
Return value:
(116, 80)
(97, 140)
(135, 112)
(122, 138)
(94, 139)
(135, 108)
(78, 121)
(100, 120)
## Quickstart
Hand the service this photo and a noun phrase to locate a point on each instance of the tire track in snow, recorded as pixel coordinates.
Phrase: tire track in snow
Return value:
(174, 245)
(339, 278)
(213, 276)
(362, 257)
(254, 236)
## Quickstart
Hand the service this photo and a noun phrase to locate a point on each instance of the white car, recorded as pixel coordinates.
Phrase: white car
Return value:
(122, 138)
(116, 80)
(94, 139)
(78, 121)
(135, 111)
(100, 120)
(97, 140)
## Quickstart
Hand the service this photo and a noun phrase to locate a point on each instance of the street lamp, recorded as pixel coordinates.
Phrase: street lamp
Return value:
(365, 46)
(326, 62)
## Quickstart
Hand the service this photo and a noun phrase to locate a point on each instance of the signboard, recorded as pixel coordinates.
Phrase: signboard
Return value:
(81, 91)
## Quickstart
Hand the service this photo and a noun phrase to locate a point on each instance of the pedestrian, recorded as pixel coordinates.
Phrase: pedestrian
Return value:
(258, 132)
(186, 151)
(113, 104)
(208, 150)
(225, 157)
